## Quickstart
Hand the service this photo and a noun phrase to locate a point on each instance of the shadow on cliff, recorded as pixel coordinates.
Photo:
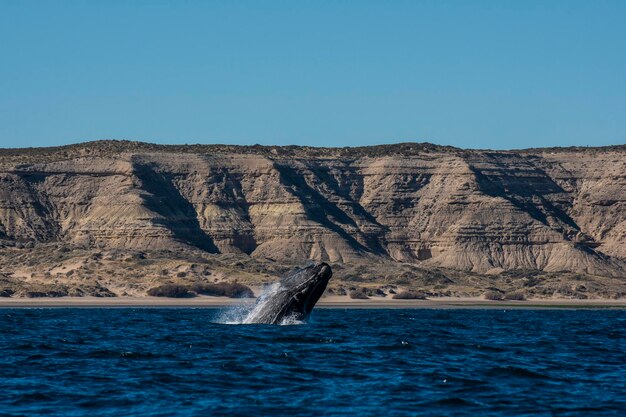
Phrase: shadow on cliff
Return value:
(227, 193)
(372, 239)
(47, 228)
(177, 214)
(317, 207)
(526, 195)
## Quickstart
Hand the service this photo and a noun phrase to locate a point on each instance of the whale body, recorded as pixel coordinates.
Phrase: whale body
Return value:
(293, 297)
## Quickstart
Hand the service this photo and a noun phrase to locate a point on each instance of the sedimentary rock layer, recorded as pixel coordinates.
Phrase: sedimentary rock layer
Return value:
(481, 211)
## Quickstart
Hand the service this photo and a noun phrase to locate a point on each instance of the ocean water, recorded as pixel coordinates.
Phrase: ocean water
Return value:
(179, 362)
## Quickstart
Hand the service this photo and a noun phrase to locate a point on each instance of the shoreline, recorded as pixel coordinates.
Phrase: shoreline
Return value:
(328, 302)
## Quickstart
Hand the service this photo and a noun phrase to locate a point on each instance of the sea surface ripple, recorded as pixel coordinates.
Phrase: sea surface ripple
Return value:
(179, 362)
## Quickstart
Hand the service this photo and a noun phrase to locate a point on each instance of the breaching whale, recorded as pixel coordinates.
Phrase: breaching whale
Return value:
(293, 297)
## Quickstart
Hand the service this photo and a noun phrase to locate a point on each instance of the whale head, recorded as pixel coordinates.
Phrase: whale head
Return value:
(305, 286)
(294, 297)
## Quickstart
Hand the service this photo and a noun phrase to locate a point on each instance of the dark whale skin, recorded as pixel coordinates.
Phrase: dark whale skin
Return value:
(297, 294)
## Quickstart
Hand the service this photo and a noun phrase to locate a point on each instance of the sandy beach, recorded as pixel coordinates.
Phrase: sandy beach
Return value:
(327, 302)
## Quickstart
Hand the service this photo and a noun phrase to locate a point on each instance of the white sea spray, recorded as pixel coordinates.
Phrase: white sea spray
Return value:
(246, 313)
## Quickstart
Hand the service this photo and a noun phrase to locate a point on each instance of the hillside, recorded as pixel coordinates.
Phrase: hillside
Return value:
(467, 215)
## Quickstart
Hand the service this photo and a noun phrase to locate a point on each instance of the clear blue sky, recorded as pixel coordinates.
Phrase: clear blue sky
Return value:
(474, 74)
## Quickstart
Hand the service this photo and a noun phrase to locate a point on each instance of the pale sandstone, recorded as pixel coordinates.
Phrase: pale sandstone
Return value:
(484, 212)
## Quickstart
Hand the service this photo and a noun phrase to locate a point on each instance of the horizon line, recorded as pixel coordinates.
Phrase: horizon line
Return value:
(258, 145)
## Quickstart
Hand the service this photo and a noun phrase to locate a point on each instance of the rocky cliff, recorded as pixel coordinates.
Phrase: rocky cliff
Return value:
(483, 212)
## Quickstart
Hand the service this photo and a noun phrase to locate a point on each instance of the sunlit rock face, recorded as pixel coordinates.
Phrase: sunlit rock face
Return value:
(480, 211)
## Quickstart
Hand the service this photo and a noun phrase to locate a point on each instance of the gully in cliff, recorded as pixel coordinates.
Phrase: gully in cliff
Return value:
(293, 298)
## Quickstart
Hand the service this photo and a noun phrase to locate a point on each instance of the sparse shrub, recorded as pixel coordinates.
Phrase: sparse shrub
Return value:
(171, 291)
(342, 291)
(223, 289)
(7, 292)
(181, 274)
(531, 281)
(353, 278)
(95, 290)
(404, 280)
(493, 296)
(359, 294)
(368, 291)
(409, 295)
(515, 296)
(51, 293)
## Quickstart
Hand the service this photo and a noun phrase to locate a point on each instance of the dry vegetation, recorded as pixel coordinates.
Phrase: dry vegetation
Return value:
(104, 148)
(409, 295)
(358, 294)
(56, 269)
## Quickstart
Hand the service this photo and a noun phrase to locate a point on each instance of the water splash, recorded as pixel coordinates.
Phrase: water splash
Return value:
(235, 314)
(261, 302)
(247, 313)
(291, 321)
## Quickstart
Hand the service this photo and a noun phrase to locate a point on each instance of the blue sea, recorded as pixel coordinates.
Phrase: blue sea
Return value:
(182, 362)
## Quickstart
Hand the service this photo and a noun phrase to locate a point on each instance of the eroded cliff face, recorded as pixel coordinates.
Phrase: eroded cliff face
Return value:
(484, 212)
